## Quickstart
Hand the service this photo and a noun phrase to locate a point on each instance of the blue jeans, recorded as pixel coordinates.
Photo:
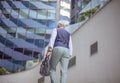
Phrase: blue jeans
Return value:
(59, 54)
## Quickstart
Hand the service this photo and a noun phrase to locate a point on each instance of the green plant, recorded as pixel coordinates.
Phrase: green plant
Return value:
(87, 13)
(35, 60)
(82, 17)
(3, 71)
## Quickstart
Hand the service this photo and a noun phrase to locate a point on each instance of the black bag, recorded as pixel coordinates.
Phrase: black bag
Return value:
(45, 67)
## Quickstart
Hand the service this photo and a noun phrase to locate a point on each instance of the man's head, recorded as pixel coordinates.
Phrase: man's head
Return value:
(61, 24)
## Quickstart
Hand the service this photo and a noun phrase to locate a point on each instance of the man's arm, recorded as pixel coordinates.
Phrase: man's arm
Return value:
(51, 42)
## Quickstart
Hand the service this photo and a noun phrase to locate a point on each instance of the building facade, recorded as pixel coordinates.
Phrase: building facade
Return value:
(82, 10)
(23, 31)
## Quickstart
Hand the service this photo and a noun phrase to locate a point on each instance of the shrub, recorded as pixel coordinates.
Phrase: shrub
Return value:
(3, 71)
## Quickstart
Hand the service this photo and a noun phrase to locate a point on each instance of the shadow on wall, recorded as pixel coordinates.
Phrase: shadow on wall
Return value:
(72, 62)
(41, 80)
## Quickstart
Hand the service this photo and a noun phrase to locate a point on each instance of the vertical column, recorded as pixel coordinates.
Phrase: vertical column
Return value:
(58, 11)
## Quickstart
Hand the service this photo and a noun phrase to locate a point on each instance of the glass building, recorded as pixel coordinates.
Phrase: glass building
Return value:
(65, 10)
(25, 27)
(82, 10)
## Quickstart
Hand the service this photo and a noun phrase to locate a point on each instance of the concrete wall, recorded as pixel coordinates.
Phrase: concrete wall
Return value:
(104, 66)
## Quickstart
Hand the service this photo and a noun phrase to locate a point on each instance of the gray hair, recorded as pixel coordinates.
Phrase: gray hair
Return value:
(61, 22)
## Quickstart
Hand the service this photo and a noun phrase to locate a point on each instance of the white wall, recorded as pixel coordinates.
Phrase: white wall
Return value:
(103, 67)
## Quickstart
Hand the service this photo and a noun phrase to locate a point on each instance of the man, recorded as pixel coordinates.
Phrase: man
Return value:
(61, 47)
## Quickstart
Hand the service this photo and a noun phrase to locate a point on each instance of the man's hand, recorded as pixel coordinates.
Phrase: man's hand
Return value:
(48, 54)
(49, 51)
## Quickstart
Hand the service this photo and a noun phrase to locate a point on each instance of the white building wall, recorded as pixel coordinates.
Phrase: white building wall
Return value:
(104, 66)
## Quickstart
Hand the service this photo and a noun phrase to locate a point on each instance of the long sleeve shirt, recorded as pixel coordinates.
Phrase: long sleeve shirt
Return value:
(52, 41)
